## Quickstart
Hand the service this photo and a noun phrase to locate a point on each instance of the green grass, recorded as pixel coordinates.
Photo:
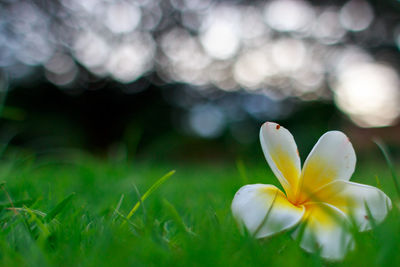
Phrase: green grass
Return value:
(71, 210)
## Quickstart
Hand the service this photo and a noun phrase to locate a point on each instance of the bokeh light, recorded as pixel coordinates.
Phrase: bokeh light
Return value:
(281, 49)
(131, 60)
(369, 93)
(327, 28)
(90, 49)
(220, 36)
(356, 15)
(206, 120)
(122, 17)
(289, 15)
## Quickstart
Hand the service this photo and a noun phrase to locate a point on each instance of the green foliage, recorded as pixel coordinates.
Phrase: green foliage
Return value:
(58, 208)
(388, 160)
(152, 188)
(69, 212)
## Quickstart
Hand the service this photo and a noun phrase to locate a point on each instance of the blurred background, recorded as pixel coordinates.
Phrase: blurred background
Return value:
(195, 79)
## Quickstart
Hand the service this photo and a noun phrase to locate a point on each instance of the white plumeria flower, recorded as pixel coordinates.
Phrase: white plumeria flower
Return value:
(319, 198)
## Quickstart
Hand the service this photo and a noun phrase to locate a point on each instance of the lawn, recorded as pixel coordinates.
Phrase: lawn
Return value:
(71, 210)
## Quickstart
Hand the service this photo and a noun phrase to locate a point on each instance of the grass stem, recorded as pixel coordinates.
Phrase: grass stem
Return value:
(386, 155)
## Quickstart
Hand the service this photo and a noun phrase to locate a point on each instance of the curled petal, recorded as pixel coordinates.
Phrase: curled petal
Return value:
(325, 229)
(359, 201)
(332, 158)
(264, 210)
(281, 153)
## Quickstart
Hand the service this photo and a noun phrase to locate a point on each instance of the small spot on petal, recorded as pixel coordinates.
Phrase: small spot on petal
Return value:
(278, 126)
(366, 217)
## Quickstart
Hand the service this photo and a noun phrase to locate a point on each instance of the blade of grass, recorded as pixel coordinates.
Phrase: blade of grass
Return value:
(58, 208)
(386, 155)
(214, 218)
(242, 171)
(125, 219)
(121, 199)
(152, 188)
(176, 217)
(378, 182)
(2, 186)
(43, 228)
(369, 214)
(140, 200)
(37, 212)
(27, 226)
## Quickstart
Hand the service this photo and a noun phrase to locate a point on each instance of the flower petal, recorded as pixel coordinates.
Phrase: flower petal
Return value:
(325, 229)
(353, 199)
(281, 153)
(332, 158)
(264, 210)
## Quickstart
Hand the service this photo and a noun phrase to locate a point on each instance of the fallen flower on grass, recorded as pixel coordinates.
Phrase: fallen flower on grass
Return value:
(319, 199)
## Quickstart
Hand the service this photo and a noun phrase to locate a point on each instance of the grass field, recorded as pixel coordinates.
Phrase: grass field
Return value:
(72, 211)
